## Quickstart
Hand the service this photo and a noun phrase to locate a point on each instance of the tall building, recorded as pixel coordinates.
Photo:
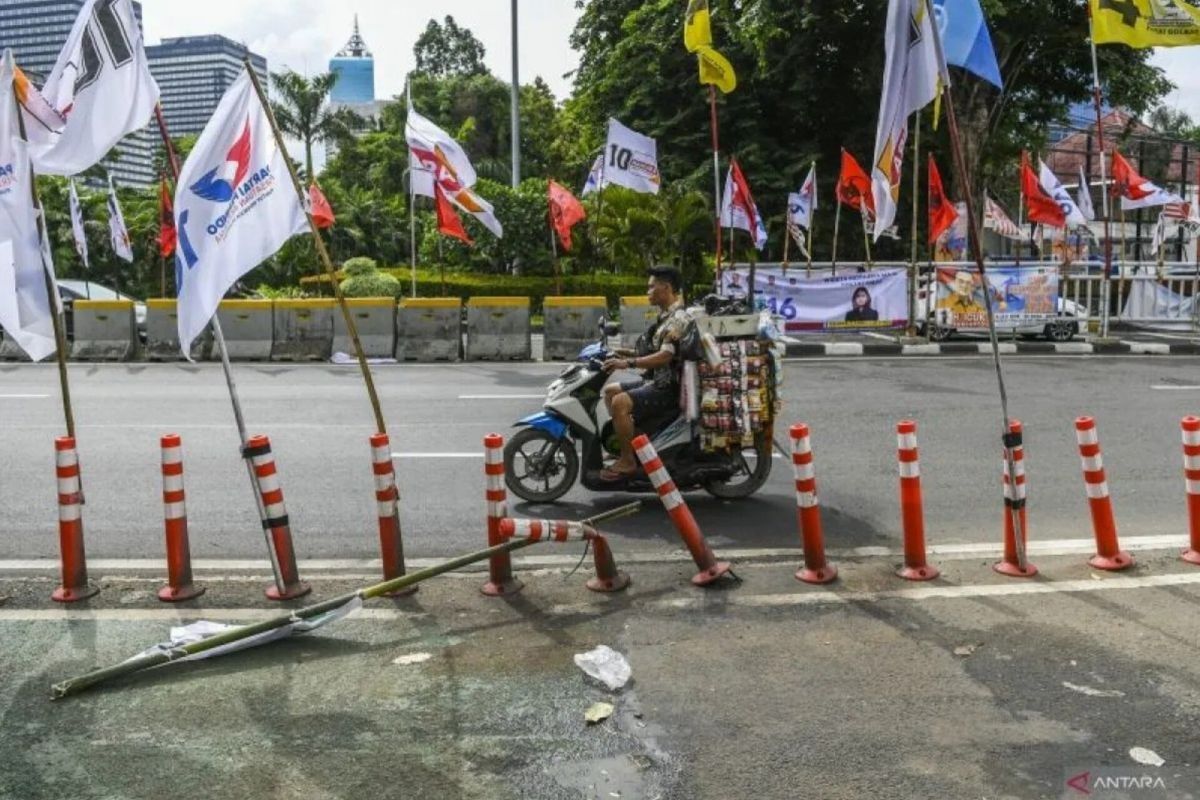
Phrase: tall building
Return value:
(36, 31)
(193, 73)
(355, 67)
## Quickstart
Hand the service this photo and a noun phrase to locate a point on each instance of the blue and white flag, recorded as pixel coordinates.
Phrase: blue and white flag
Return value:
(595, 177)
(234, 206)
(965, 38)
(116, 226)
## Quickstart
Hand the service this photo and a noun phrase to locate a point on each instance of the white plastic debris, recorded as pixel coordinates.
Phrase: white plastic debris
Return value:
(1145, 756)
(606, 666)
(412, 658)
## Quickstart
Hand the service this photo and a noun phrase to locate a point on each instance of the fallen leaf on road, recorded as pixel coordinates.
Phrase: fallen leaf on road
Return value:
(965, 650)
(1145, 756)
(598, 713)
(1090, 692)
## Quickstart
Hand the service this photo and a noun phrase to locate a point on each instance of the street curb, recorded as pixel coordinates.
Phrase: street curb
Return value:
(872, 349)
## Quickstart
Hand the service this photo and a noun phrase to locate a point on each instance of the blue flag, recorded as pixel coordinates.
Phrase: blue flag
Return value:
(966, 40)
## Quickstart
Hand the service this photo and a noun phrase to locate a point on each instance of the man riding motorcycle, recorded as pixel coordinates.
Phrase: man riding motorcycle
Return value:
(657, 355)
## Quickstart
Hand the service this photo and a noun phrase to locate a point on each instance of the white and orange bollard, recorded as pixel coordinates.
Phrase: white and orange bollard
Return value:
(500, 575)
(608, 577)
(1109, 555)
(74, 585)
(1015, 495)
(681, 516)
(387, 498)
(179, 557)
(816, 568)
(912, 510)
(275, 522)
(1191, 481)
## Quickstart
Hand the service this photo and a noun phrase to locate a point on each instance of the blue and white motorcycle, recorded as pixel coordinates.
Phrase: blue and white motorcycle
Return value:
(542, 460)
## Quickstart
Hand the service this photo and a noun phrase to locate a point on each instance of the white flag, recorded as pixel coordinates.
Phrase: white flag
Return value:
(802, 204)
(1084, 196)
(1053, 187)
(630, 160)
(911, 75)
(1154, 195)
(77, 224)
(432, 151)
(101, 84)
(116, 226)
(234, 206)
(595, 176)
(25, 310)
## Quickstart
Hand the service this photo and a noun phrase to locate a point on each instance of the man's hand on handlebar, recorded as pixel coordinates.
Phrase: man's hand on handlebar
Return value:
(613, 363)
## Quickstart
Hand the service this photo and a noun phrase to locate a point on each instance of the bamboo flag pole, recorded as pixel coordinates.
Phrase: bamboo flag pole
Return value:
(812, 222)
(837, 222)
(235, 400)
(323, 254)
(52, 297)
(1104, 198)
(143, 662)
(1009, 440)
(716, 149)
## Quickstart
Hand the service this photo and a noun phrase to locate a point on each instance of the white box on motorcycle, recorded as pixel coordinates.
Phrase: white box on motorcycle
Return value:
(570, 324)
(498, 329)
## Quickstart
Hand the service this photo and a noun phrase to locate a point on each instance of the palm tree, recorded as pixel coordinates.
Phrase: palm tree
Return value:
(303, 112)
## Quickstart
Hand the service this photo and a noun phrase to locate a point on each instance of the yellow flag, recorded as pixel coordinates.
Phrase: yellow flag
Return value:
(716, 69)
(697, 29)
(1145, 23)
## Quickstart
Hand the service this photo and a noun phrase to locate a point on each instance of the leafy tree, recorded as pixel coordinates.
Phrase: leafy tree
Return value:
(445, 49)
(303, 112)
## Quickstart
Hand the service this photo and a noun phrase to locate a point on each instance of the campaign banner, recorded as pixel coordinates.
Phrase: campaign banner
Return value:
(850, 301)
(952, 244)
(1020, 296)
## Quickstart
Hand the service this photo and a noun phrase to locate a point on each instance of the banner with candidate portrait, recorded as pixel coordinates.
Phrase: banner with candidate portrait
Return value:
(853, 301)
(1020, 296)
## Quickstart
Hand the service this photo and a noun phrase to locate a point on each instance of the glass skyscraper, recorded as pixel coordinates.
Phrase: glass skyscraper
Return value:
(193, 73)
(355, 67)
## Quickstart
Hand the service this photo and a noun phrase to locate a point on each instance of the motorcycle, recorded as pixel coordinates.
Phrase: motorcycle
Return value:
(542, 461)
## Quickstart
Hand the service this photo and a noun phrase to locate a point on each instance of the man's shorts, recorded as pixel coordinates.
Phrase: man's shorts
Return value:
(649, 400)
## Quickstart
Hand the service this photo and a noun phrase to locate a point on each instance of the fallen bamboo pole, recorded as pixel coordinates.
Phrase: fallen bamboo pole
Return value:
(144, 662)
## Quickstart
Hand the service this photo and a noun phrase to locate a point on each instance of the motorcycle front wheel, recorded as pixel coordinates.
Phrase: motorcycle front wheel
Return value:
(539, 468)
(754, 466)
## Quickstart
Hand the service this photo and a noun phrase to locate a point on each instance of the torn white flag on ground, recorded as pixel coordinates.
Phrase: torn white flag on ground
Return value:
(25, 305)
(102, 86)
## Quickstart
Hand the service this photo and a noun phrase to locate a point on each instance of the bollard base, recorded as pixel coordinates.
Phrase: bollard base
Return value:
(1191, 556)
(825, 574)
(64, 595)
(1121, 560)
(1013, 571)
(617, 584)
(171, 594)
(297, 589)
(502, 588)
(925, 573)
(712, 574)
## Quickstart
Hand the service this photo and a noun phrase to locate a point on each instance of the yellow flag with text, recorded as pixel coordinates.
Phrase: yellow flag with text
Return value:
(716, 69)
(1145, 23)
(697, 27)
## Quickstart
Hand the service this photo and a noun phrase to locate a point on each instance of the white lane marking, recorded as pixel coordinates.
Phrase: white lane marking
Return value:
(955, 551)
(814, 596)
(1167, 387)
(23, 396)
(883, 336)
(437, 455)
(541, 396)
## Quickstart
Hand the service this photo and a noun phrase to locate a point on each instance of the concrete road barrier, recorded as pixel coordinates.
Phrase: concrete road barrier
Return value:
(375, 319)
(498, 329)
(571, 323)
(429, 329)
(105, 330)
(637, 315)
(248, 328)
(303, 329)
(162, 333)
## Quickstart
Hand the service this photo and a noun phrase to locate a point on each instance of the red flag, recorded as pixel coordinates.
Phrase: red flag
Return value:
(854, 186)
(166, 221)
(1042, 207)
(1127, 182)
(448, 221)
(565, 212)
(319, 208)
(942, 212)
(741, 197)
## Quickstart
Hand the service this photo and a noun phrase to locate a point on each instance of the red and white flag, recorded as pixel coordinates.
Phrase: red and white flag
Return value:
(1042, 207)
(738, 209)
(1135, 190)
(942, 212)
(447, 220)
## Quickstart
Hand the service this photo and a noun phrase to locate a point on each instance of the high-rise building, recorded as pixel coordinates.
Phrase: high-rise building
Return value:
(36, 30)
(355, 67)
(193, 73)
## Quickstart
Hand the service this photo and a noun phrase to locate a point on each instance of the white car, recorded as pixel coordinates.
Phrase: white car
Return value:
(1063, 329)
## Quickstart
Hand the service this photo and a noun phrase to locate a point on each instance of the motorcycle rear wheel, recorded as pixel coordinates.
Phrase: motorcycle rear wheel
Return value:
(755, 463)
(539, 468)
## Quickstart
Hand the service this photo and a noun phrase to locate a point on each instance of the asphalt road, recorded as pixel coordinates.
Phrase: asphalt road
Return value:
(318, 419)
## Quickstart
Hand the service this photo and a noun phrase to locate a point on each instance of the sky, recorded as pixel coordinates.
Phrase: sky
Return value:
(304, 34)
